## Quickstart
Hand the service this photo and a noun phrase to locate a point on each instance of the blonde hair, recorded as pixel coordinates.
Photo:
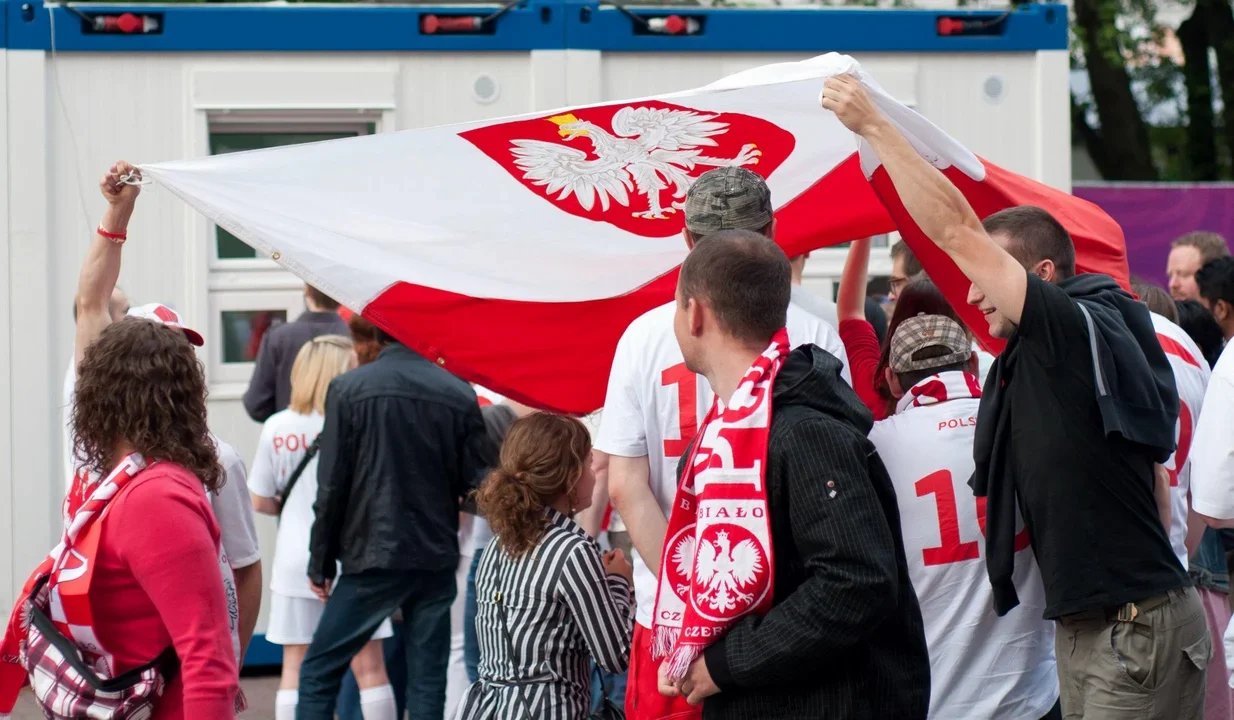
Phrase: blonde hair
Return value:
(543, 458)
(319, 361)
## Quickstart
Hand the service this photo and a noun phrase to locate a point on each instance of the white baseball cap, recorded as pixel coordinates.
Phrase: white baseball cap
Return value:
(166, 316)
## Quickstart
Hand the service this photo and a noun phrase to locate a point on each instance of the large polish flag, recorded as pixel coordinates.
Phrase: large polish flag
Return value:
(514, 252)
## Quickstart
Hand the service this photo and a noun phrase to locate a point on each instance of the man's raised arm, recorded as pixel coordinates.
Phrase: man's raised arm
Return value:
(937, 207)
(101, 269)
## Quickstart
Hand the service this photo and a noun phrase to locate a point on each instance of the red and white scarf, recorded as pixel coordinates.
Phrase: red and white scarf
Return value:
(717, 562)
(70, 566)
(951, 385)
(84, 481)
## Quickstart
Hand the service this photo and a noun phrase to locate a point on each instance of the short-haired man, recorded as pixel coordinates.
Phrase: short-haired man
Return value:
(1075, 415)
(1188, 254)
(1212, 469)
(1216, 283)
(269, 389)
(653, 407)
(1200, 550)
(904, 267)
(780, 482)
(927, 447)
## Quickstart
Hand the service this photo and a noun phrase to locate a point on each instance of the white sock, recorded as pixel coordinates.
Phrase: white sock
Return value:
(377, 703)
(285, 704)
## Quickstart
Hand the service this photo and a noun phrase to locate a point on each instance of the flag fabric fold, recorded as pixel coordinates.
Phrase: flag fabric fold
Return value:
(515, 251)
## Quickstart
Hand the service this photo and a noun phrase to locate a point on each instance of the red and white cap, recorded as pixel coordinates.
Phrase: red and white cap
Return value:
(166, 316)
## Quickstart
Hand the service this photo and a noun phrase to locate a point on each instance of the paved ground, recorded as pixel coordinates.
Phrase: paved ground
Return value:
(259, 690)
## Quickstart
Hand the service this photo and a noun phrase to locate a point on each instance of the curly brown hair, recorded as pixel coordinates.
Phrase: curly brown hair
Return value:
(542, 459)
(141, 382)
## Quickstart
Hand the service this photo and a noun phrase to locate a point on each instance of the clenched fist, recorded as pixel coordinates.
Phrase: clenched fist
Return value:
(615, 563)
(845, 96)
(116, 192)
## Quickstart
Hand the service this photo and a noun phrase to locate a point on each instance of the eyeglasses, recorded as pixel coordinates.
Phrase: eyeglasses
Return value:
(897, 284)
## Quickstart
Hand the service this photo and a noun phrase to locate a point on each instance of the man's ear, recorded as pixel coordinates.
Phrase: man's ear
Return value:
(695, 317)
(1223, 311)
(1046, 270)
(893, 384)
(689, 238)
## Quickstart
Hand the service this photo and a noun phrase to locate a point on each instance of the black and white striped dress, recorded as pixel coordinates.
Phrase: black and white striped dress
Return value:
(562, 610)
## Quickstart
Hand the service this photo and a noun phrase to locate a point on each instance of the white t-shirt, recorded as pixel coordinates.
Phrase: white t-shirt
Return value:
(817, 305)
(654, 404)
(285, 438)
(233, 509)
(1212, 448)
(981, 665)
(1191, 375)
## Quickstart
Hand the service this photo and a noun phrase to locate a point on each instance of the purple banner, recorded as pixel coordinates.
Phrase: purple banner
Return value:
(1152, 215)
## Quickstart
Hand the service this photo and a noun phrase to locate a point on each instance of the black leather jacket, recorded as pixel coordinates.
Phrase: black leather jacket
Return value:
(403, 443)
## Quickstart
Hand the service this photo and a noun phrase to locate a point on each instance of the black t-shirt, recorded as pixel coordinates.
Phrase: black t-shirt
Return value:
(1086, 499)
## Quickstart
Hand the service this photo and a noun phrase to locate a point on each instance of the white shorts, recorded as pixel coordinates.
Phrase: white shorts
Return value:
(293, 620)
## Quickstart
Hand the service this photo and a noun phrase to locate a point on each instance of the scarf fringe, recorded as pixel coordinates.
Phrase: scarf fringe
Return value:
(678, 664)
(662, 641)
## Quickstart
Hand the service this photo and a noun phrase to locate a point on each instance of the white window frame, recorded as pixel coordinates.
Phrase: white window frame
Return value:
(254, 283)
(221, 373)
(251, 121)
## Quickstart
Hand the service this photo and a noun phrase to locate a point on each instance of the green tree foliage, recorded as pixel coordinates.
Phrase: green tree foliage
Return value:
(1148, 117)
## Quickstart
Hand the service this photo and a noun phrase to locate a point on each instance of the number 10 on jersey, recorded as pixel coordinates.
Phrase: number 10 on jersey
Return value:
(953, 549)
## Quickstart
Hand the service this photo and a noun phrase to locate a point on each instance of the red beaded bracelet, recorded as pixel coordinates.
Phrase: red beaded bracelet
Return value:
(114, 237)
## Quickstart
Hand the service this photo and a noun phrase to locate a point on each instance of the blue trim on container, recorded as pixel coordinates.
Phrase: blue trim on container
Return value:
(822, 29)
(295, 28)
(263, 653)
(532, 25)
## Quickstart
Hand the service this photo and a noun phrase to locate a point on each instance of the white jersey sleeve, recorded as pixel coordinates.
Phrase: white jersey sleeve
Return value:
(1212, 449)
(623, 424)
(233, 509)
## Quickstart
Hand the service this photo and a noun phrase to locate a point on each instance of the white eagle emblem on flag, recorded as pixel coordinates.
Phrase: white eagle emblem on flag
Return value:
(649, 150)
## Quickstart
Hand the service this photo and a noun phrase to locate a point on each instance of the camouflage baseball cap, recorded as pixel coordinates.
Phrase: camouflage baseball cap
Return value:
(730, 198)
(928, 331)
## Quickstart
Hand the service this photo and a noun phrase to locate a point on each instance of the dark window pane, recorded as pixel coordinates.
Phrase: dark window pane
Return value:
(231, 247)
(243, 330)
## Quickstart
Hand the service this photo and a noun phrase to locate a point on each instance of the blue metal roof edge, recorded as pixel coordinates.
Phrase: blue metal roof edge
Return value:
(532, 25)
